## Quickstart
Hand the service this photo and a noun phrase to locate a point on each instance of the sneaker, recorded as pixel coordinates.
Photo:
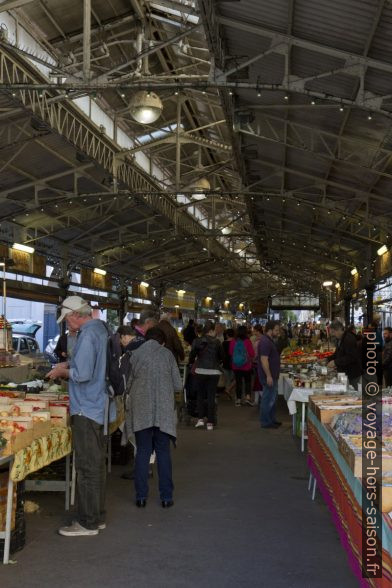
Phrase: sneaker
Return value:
(210, 427)
(102, 526)
(238, 402)
(76, 530)
(249, 402)
(200, 423)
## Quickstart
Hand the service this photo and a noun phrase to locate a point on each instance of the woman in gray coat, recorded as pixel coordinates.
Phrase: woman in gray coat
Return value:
(150, 413)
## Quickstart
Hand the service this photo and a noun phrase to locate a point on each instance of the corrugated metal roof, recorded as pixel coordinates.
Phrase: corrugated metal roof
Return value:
(260, 12)
(343, 25)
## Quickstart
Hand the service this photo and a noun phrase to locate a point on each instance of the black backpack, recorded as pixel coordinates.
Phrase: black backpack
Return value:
(118, 373)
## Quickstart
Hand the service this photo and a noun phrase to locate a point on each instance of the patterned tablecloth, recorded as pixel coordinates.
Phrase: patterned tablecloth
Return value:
(42, 452)
(58, 444)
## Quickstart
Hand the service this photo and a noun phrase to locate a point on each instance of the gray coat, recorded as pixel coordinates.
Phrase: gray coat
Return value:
(151, 387)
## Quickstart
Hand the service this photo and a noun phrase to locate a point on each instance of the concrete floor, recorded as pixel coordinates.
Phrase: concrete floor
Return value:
(242, 518)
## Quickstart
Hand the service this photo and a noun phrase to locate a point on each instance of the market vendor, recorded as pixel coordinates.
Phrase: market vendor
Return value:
(88, 400)
(347, 357)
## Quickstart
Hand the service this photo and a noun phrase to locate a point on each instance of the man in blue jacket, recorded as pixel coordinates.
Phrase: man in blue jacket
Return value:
(86, 372)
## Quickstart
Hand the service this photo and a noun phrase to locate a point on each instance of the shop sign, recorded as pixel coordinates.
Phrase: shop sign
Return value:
(184, 300)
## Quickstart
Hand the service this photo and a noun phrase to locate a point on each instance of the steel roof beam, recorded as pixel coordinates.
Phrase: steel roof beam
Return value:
(12, 4)
(321, 181)
(299, 42)
(147, 52)
(317, 146)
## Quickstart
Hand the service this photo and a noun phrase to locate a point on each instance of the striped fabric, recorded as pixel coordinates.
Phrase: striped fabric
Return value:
(342, 492)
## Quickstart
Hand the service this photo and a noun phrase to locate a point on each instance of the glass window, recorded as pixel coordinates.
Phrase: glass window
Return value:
(23, 345)
(32, 345)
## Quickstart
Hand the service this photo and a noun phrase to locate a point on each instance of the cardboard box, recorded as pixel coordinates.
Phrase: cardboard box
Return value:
(59, 416)
(386, 495)
(17, 441)
(41, 427)
(326, 407)
(350, 446)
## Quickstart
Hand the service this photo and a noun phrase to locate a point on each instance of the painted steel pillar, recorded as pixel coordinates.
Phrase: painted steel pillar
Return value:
(347, 301)
(369, 304)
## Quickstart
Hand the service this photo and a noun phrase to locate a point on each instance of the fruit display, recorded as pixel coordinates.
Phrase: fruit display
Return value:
(300, 356)
(24, 415)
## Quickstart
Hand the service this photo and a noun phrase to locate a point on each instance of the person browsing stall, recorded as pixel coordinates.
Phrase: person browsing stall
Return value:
(269, 368)
(86, 372)
(150, 413)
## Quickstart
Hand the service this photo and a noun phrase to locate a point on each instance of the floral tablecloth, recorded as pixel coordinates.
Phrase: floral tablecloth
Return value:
(41, 452)
(44, 450)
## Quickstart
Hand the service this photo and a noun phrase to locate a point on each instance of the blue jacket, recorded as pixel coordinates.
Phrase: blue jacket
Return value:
(87, 383)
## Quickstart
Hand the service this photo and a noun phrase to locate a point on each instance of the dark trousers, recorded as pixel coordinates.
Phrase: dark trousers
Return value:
(147, 441)
(242, 376)
(354, 382)
(90, 463)
(206, 389)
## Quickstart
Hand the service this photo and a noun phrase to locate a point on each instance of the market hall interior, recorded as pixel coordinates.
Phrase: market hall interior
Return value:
(243, 517)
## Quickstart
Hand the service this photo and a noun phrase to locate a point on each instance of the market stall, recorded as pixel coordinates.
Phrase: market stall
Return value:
(336, 472)
(27, 452)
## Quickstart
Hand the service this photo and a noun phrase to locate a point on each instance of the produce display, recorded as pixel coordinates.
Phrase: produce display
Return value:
(24, 416)
(302, 356)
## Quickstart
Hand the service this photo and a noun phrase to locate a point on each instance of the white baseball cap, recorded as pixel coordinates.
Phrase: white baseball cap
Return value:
(72, 304)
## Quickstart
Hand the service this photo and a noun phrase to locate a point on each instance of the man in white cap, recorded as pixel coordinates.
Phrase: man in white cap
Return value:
(86, 372)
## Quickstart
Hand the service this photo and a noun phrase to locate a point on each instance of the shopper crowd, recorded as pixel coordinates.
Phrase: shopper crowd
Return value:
(245, 363)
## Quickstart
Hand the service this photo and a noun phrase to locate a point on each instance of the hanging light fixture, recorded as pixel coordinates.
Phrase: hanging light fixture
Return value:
(101, 272)
(226, 230)
(199, 188)
(145, 107)
(382, 250)
(327, 283)
(22, 247)
(354, 271)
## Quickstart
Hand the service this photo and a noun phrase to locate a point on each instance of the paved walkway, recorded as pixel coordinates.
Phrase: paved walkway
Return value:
(242, 518)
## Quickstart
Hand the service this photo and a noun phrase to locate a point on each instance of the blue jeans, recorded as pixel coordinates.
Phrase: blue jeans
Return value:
(268, 404)
(147, 441)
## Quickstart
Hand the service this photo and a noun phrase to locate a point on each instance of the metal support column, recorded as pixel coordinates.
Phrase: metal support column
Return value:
(369, 304)
(178, 144)
(123, 305)
(347, 301)
(86, 40)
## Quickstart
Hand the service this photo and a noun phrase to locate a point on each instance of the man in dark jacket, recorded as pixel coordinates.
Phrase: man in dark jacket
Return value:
(189, 333)
(347, 356)
(387, 356)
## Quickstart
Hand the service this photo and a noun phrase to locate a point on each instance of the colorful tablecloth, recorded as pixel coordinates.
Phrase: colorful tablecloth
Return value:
(44, 450)
(41, 452)
(343, 494)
